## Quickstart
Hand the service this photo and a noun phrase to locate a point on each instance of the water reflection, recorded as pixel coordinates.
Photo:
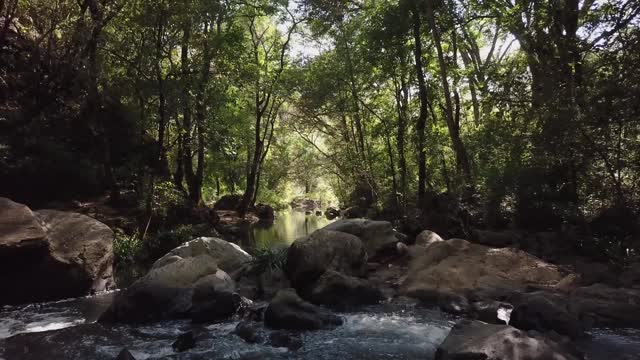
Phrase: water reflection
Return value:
(288, 226)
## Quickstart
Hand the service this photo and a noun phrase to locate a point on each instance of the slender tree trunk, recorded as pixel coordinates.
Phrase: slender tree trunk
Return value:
(422, 117)
(187, 126)
(453, 124)
(402, 101)
(162, 113)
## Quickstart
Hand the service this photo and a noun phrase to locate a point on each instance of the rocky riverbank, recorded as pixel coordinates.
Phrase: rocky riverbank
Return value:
(510, 298)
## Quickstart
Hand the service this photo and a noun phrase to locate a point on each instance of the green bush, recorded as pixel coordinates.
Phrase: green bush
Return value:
(269, 259)
(165, 241)
(126, 248)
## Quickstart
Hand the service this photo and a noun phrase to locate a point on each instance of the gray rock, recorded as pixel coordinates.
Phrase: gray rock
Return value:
(50, 255)
(227, 256)
(335, 289)
(375, 235)
(310, 257)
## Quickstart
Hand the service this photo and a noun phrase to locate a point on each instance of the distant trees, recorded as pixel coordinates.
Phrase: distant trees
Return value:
(528, 105)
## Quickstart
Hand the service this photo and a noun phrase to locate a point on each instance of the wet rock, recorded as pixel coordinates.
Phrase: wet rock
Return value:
(288, 311)
(606, 306)
(545, 312)
(458, 267)
(125, 355)
(310, 257)
(248, 332)
(478, 340)
(426, 238)
(491, 311)
(184, 342)
(50, 255)
(375, 235)
(335, 289)
(211, 302)
(285, 339)
(166, 292)
(228, 256)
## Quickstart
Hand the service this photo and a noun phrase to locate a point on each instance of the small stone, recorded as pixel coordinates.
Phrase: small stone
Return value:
(248, 332)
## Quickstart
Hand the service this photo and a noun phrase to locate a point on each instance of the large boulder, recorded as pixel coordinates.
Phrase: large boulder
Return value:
(375, 235)
(188, 283)
(227, 256)
(475, 340)
(288, 311)
(458, 268)
(335, 289)
(310, 257)
(50, 255)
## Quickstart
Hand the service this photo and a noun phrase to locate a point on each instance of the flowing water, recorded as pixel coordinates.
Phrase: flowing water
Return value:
(401, 330)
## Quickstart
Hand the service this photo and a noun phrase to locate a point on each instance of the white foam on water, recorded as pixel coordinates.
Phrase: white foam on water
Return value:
(51, 325)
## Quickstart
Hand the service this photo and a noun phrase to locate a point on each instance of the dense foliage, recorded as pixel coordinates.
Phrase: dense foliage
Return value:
(529, 108)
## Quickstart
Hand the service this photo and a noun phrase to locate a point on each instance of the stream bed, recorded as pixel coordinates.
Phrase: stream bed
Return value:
(400, 330)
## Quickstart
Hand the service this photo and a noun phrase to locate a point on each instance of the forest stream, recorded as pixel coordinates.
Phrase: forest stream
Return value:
(396, 330)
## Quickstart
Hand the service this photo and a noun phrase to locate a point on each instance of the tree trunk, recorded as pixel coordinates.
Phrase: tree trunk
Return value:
(422, 117)
(462, 159)
(187, 127)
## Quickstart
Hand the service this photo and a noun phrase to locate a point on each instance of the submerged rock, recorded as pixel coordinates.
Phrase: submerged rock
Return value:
(50, 255)
(281, 338)
(310, 257)
(125, 355)
(248, 332)
(288, 311)
(184, 342)
(471, 340)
